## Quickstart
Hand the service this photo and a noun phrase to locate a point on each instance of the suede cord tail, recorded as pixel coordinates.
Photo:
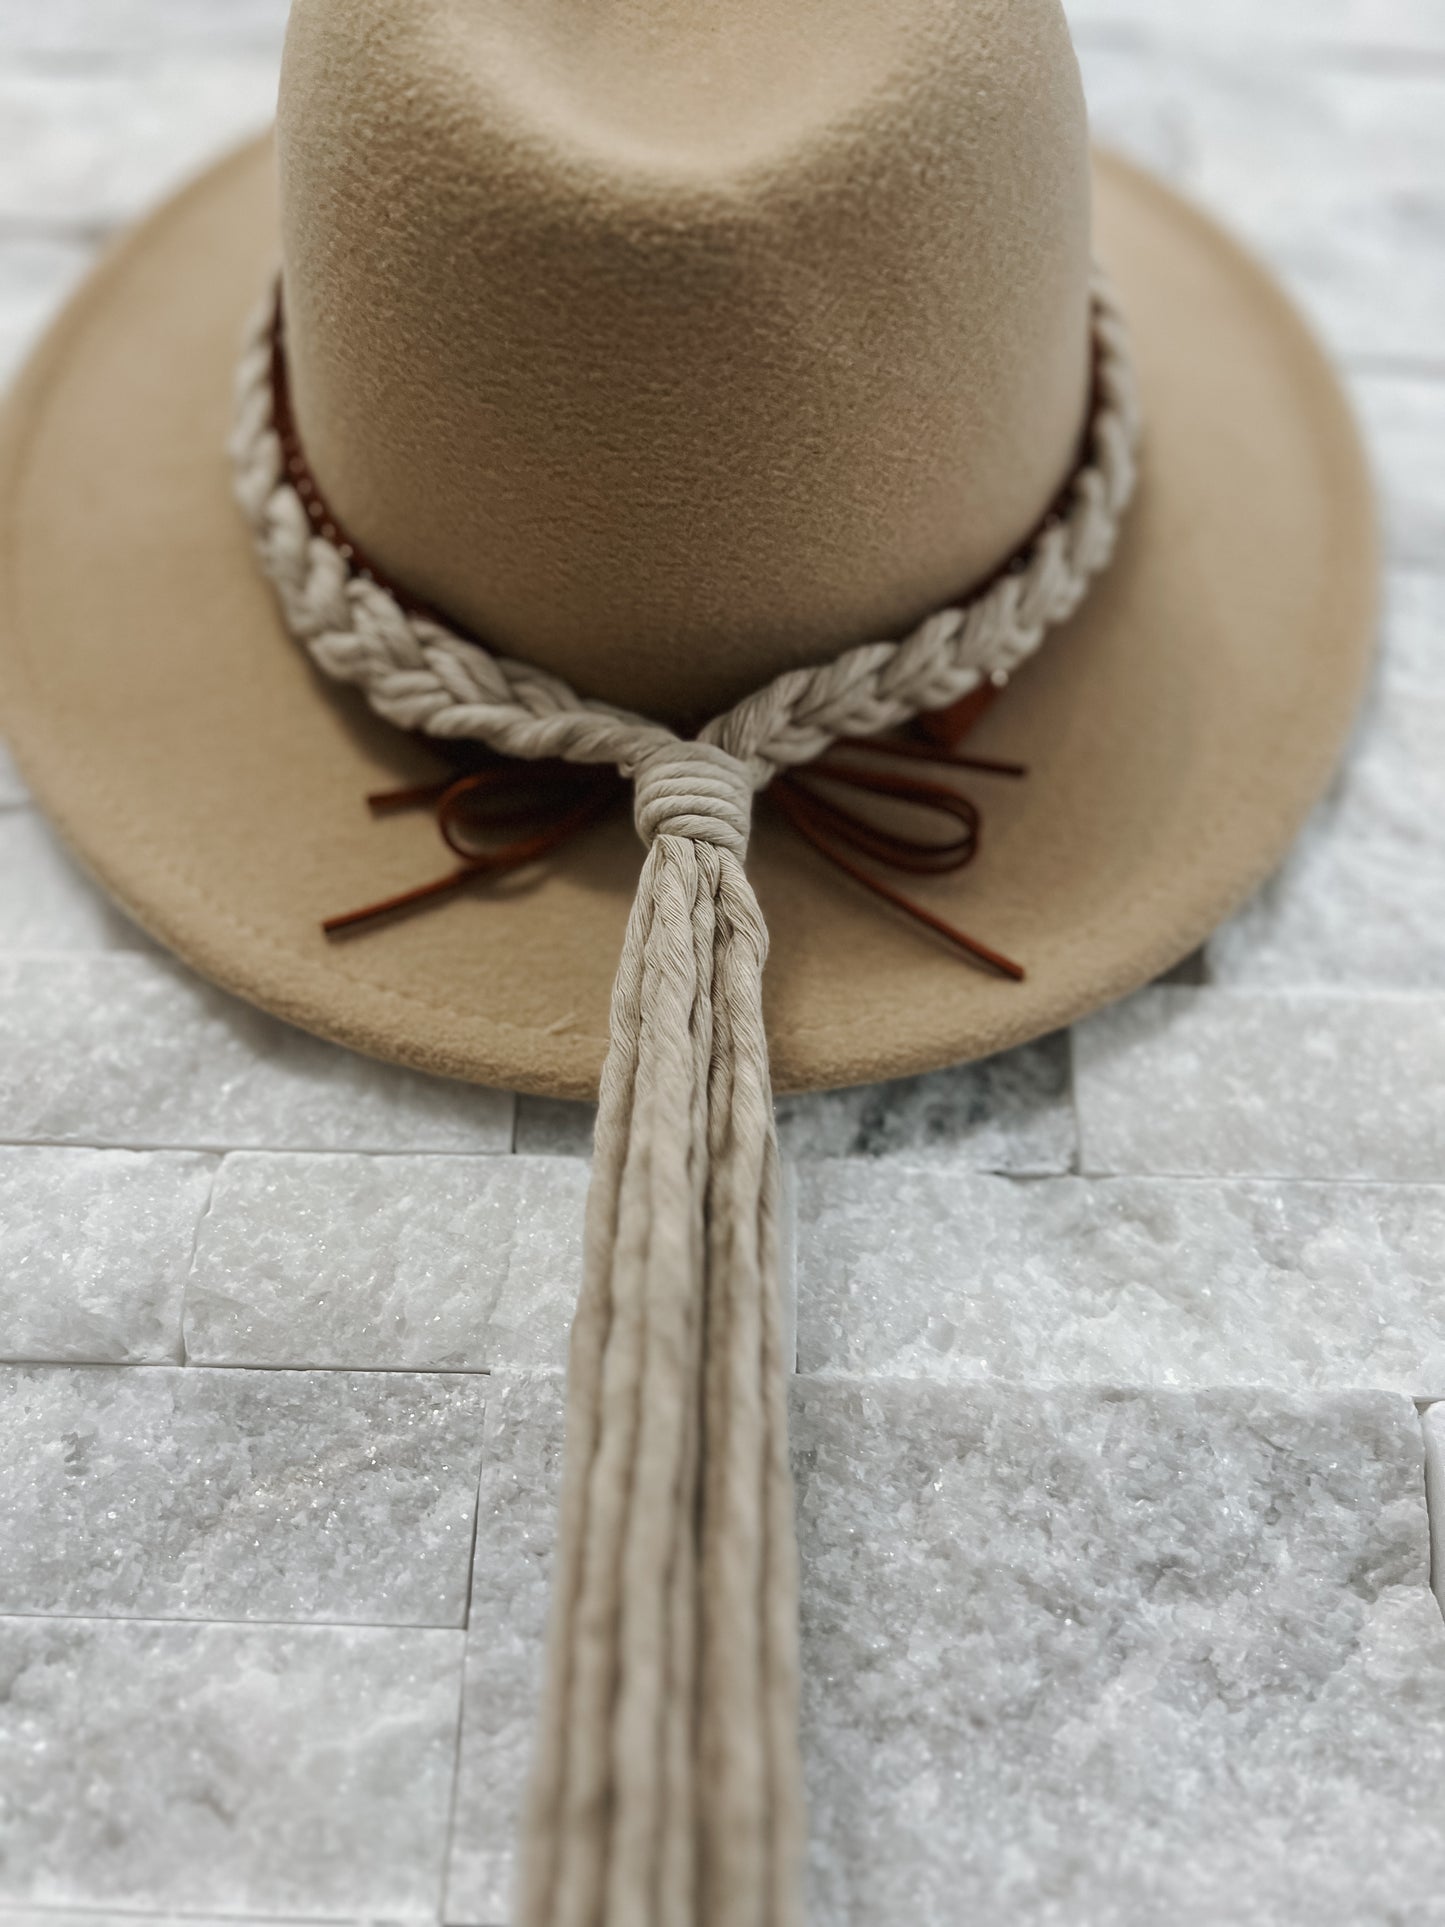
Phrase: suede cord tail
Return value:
(667, 1789)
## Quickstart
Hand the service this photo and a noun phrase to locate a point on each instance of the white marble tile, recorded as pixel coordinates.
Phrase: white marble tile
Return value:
(1298, 25)
(298, 1770)
(94, 1251)
(511, 1577)
(1360, 900)
(1141, 103)
(788, 1262)
(1007, 1113)
(103, 30)
(1413, 653)
(1404, 418)
(1123, 1281)
(36, 273)
(1068, 1656)
(89, 146)
(1337, 176)
(389, 1262)
(46, 901)
(135, 1050)
(1118, 1659)
(104, 26)
(1225, 1083)
(59, 1917)
(180, 1494)
(1335, 173)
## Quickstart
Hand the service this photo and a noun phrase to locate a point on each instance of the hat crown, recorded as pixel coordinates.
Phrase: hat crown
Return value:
(670, 347)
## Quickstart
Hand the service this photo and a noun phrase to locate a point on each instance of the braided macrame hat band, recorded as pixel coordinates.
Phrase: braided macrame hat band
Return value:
(634, 361)
(668, 1776)
(418, 674)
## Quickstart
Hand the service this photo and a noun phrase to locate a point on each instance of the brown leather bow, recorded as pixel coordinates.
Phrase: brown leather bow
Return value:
(506, 814)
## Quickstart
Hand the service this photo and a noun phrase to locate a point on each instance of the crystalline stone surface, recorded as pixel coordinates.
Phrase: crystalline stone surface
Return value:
(1404, 417)
(46, 903)
(1074, 1657)
(1291, 23)
(36, 273)
(1134, 108)
(136, 1051)
(1123, 1281)
(1361, 898)
(226, 1769)
(110, 27)
(1414, 645)
(87, 148)
(95, 1250)
(238, 1495)
(788, 1264)
(516, 1513)
(461, 1263)
(1008, 1113)
(1294, 1084)
(1335, 233)
(1317, 163)
(1069, 1656)
(57, 1917)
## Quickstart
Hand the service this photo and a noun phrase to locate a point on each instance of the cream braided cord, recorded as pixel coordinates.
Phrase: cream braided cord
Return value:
(667, 1788)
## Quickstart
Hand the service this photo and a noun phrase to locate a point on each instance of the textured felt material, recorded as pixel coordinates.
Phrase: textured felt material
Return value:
(1176, 732)
(669, 347)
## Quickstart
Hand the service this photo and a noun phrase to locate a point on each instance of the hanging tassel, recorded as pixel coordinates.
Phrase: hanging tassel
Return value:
(667, 1787)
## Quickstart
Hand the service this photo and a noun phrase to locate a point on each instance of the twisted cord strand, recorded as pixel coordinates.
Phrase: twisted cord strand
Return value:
(666, 1788)
(420, 676)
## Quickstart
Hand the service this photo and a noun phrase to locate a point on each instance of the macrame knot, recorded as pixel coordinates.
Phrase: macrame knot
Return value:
(694, 790)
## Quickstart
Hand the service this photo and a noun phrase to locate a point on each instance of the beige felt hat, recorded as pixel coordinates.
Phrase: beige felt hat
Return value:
(667, 348)
(678, 392)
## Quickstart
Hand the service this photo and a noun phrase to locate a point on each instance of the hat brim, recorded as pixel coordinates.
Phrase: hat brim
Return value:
(1175, 733)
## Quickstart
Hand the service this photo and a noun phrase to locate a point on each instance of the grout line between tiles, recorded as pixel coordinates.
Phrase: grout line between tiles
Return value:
(218, 1367)
(82, 231)
(99, 59)
(450, 1830)
(1043, 1386)
(1079, 1167)
(201, 1216)
(245, 1625)
(1104, 1175)
(1412, 367)
(214, 1148)
(82, 1910)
